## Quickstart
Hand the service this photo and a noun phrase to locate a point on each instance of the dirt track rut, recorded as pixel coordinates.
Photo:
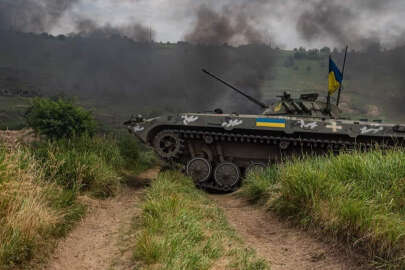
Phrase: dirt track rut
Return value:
(94, 243)
(283, 246)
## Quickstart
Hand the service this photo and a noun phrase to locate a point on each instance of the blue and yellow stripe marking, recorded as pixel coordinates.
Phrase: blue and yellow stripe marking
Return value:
(270, 122)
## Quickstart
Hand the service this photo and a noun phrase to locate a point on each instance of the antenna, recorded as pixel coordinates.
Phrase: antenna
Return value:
(252, 99)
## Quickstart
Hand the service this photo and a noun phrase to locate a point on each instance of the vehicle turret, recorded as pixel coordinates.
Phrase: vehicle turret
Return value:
(305, 105)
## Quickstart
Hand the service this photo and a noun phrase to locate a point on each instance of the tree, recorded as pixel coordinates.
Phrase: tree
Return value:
(325, 50)
(59, 118)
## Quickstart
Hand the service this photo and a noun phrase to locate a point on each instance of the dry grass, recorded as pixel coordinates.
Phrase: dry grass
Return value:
(25, 214)
(39, 186)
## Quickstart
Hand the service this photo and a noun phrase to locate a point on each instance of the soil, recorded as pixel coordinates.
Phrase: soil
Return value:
(14, 137)
(282, 245)
(96, 242)
(99, 241)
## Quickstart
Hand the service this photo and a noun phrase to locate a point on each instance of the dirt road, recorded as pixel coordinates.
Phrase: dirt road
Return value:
(283, 246)
(95, 242)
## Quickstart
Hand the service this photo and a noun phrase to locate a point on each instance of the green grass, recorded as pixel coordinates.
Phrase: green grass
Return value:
(181, 228)
(82, 164)
(137, 157)
(93, 164)
(357, 198)
(39, 186)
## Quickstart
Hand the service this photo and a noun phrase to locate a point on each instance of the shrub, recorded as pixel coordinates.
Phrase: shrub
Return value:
(59, 119)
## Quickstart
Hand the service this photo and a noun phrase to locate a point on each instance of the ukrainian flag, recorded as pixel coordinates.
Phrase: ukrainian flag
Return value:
(270, 122)
(335, 77)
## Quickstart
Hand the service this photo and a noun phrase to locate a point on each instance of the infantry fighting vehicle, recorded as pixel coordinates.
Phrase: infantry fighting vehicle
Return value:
(217, 149)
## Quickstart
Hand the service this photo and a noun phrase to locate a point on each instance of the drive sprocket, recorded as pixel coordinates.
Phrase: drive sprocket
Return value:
(168, 145)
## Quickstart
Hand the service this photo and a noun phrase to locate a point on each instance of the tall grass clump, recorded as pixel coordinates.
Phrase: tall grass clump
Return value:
(182, 229)
(32, 210)
(356, 197)
(136, 157)
(82, 163)
(259, 183)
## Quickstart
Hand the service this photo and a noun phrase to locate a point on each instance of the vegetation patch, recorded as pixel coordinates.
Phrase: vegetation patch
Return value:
(32, 210)
(356, 197)
(137, 157)
(82, 164)
(39, 186)
(60, 118)
(181, 228)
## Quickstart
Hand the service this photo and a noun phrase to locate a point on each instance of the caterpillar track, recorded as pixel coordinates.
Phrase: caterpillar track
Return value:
(218, 160)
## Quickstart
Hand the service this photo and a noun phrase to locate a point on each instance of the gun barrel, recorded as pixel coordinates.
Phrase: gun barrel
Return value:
(261, 104)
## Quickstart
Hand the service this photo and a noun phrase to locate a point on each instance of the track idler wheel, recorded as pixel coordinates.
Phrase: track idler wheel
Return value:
(168, 145)
(227, 175)
(199, 169)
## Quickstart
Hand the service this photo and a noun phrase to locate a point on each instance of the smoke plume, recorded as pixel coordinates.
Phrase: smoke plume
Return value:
(134, 31)
(348, 22)
(230, 26)
(32, 15)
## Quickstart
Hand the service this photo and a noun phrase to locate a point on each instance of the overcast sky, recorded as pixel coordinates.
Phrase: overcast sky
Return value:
(279, 19)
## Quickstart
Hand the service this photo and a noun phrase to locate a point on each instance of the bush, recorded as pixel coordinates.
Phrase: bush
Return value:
(59, 119)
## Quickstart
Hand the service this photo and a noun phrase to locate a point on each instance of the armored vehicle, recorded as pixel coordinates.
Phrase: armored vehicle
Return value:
(217, 149)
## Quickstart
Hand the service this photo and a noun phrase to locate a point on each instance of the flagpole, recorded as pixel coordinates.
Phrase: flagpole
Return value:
(328, 97)
(343, 72)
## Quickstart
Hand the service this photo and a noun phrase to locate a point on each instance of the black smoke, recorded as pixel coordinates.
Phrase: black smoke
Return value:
(119, 67)
(134, 31)
(41, 16)
(344, 22)
(116, 72)
(375, 70)
(32, 15)
(248, 65)
(230, 25)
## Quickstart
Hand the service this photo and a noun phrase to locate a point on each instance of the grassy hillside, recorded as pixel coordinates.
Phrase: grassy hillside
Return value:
(355, 197)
